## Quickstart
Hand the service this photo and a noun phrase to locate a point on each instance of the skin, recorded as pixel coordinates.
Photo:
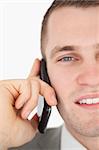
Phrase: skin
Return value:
(17, 99)
(70, 80)
(79, 76)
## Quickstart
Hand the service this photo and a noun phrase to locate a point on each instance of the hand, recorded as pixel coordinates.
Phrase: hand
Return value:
(17, 99)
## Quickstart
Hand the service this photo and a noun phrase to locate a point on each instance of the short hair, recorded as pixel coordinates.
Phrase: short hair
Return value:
(58, 4)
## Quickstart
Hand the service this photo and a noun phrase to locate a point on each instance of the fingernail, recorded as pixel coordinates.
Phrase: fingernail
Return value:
(25, 114)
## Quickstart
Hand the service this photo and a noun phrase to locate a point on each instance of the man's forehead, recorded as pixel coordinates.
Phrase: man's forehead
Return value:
(72, 13)
(71, 21)
(73, 26)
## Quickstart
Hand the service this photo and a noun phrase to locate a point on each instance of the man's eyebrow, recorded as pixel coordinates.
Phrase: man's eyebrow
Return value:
(57, 49)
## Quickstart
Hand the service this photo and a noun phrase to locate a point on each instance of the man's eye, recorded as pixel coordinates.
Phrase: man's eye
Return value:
(67, 59)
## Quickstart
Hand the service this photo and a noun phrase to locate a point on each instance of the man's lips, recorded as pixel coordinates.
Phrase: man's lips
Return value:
(88, 96)
(89, 101)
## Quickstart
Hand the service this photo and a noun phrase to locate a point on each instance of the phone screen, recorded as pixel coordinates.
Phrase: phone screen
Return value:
(43, 120)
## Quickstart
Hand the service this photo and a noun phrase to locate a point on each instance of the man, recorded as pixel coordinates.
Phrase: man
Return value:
(70, 46)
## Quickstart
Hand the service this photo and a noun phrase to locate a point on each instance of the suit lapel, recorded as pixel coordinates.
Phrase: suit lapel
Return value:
(51, 140)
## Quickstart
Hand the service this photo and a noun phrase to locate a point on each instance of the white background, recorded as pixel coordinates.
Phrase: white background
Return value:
(20, 25)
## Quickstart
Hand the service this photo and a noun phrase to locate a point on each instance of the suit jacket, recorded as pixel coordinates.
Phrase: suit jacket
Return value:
(50, 140)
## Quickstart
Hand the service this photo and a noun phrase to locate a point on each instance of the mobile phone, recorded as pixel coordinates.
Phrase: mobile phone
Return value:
(43, 119)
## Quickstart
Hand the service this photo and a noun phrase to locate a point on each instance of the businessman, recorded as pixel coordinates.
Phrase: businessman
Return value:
(70, 47)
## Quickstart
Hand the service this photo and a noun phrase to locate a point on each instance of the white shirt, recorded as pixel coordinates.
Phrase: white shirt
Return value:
(69, 142)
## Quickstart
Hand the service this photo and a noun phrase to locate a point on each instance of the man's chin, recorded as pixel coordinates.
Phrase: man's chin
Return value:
(92, 131)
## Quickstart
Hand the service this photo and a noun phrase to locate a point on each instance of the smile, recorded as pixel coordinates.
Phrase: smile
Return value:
(89, 101)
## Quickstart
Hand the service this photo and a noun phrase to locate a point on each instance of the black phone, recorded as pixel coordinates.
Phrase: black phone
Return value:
(43, 119)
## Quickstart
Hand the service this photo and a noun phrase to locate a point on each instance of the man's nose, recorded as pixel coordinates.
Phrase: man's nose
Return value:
(89, 75)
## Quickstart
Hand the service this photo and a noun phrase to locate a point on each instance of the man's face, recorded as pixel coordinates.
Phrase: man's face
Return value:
(72, 53)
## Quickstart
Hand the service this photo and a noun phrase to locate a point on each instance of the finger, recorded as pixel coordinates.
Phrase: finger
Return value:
(24, 94)
(35, 69)
(44, 89)
(37, 89)
(33, 101)
(48, 92)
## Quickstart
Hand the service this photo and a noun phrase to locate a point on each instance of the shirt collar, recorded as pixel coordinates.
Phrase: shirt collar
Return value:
(69, 142)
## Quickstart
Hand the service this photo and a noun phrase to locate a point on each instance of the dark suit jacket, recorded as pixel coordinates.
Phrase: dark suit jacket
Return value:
(50, 140)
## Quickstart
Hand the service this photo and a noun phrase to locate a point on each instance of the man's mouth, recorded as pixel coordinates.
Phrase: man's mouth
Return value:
(89, 101)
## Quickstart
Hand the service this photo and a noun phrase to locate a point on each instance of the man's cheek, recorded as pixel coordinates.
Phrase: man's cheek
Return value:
(64, 112)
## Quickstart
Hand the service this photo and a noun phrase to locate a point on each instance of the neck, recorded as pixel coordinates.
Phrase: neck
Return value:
(90, 143)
